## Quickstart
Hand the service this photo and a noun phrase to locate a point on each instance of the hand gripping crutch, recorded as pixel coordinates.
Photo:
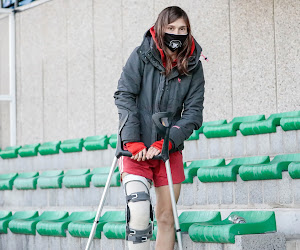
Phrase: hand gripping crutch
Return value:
(162, 123)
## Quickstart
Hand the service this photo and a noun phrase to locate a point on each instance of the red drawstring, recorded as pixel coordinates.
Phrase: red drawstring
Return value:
(205, 58)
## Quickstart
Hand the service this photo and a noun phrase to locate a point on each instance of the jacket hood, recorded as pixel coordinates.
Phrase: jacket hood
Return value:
(149, 45)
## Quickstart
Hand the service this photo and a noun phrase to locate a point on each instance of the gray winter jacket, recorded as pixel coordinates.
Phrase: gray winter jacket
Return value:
(143, 90)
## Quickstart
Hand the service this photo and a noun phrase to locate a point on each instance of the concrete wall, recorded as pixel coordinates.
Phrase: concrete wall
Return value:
(70, 55)
(4, 80)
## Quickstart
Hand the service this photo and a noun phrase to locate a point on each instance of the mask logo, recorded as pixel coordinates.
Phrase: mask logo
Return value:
(174, 44)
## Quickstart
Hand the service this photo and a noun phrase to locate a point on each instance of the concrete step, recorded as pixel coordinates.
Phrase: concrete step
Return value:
(271, 241)
(292, 244)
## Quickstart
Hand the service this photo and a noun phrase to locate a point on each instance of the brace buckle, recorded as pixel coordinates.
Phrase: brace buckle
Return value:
(135, 196)
(132, 231)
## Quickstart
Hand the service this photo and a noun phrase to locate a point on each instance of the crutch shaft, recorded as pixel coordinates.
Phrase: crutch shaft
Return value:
(103, 198)
(176, 221)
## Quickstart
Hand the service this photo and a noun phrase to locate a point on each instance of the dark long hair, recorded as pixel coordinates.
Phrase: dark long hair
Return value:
(167, 16)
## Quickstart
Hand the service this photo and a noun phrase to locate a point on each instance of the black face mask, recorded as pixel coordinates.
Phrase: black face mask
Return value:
(173, 42)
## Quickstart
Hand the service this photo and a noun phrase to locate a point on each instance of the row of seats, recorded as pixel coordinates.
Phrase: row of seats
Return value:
(212, 170)
(55, 223)
(248, 125)
(249, 168)
(74, 178)
(98, 142)
(202, 226)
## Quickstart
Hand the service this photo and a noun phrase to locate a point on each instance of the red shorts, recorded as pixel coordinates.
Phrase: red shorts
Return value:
(154, 170)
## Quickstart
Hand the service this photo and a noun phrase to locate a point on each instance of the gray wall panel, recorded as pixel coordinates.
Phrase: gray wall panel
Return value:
(55, 71)
(138, 16)
(4, 80)
(30, 117)
(108, 62)
(81, 119)
(253, 61)
(210, 24)
(287, 25)
(4, 55)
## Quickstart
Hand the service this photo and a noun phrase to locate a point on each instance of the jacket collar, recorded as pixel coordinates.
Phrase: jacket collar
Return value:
(155, 55)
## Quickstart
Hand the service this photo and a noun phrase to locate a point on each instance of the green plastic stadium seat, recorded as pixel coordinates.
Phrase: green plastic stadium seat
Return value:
(83, 228)
(49, 148)
(98, 142)
(294, 170)
(230, 171)
(59, 227)
(257, 222)
(191, 170)
(229, 129)
(211, 123)
(28, 226)
(77, 178)
(188, 218)
(194, 136)
(5, 214)
(17, 215)
(100, 176)
(7, 180)
(50, 179)
(266, 126)
(29, 150)
(113, 140)
(10, 152)
(272, 170)
(72, 145)
(290, 123)
(117, 230)
(26, 180)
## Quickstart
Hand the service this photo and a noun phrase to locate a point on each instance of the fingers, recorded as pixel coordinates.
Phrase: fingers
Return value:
(144, 154)
(152, 152)
(141, 156)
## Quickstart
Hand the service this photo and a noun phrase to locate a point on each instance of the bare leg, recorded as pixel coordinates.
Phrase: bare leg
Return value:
(165, 238)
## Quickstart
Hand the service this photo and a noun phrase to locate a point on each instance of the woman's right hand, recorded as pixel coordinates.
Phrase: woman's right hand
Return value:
(141, 156)
(138, 150)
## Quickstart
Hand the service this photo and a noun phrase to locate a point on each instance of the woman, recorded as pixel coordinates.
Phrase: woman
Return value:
(162, 74)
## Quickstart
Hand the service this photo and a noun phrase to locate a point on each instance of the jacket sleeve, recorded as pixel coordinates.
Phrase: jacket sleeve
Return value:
(125, 97)
(192, 116)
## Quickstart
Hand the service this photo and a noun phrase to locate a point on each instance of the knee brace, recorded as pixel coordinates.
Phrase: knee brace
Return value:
(138, 209)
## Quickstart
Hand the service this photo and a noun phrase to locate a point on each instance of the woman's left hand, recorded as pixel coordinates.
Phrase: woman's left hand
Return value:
(152, 152)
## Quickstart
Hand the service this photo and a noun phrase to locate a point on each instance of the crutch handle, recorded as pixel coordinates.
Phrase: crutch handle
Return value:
(162, 122)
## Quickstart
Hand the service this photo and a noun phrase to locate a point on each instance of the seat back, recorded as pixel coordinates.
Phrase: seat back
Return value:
(52, 173)
(78, 216)
(286, 157)
(8, 176)
(77, 172)
(206, 163)
(250, 160)
(251, 118)
(28, 175)
(285, 114)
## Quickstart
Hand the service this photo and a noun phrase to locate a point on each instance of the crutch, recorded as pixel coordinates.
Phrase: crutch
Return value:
(119, 152)
(162, 123)
(164, 129)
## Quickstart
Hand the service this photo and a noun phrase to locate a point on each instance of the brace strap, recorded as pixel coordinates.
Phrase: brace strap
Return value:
(138, 196)
(138, 236)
